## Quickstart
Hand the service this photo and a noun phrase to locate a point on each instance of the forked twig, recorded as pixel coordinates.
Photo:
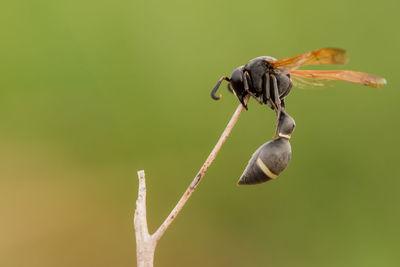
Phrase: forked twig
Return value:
(146, 243)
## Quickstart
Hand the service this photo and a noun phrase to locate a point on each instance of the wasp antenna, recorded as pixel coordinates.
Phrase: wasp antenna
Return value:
(213, 96)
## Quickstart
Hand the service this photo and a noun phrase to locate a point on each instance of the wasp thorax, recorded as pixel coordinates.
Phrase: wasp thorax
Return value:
(286, 125)
(267, 162)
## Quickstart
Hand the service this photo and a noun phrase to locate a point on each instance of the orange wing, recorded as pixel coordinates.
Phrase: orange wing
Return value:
(316, 57)
(343, 75)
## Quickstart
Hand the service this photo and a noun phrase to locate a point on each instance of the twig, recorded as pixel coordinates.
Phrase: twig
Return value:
(146, 243)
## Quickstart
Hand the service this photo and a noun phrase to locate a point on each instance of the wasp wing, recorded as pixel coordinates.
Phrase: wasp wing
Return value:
(307, 83)
(342, 75)
(317, 57)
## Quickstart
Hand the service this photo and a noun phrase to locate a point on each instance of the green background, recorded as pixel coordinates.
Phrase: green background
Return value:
(92, 91)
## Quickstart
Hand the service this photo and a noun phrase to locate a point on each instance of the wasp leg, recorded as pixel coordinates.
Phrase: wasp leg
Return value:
(213, 91)
(277, 102)
(267, 93)
(246, 80)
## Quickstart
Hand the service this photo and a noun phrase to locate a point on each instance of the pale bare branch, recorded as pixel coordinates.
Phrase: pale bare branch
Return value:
(146, 243)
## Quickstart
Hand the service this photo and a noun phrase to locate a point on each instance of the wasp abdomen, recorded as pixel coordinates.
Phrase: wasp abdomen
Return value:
(267, 162)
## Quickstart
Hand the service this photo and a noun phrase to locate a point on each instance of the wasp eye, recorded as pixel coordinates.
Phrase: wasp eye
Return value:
(237, 76)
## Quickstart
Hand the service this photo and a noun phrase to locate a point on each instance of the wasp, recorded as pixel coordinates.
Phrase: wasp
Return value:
(269, 80)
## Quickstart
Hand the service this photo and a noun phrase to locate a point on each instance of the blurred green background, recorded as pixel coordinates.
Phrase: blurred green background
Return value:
(92, 91)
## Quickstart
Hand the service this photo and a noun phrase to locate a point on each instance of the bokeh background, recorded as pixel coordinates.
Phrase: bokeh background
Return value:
(92, 91)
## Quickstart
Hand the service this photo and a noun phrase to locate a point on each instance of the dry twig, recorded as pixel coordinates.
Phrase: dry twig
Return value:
(146, 243)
